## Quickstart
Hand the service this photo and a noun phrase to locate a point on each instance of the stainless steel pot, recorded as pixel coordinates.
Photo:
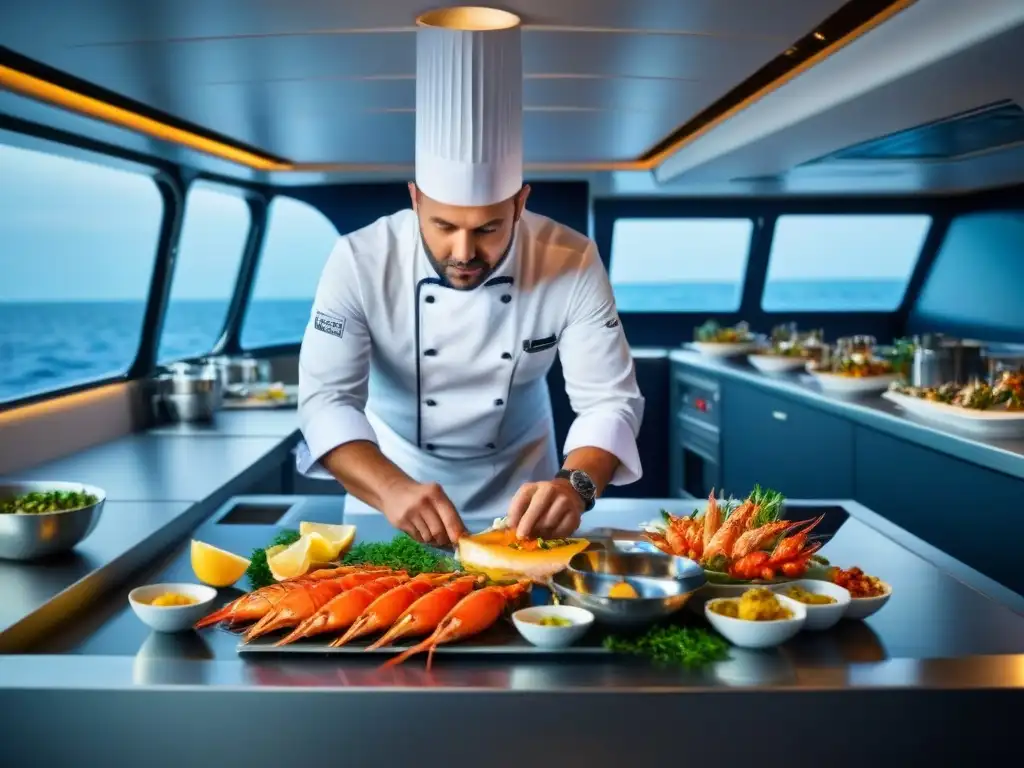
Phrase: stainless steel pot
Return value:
(187, 394)
(236, 371)
(939, 360)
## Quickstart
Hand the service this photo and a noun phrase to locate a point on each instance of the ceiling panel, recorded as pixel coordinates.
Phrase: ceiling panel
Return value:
(46, 24)
(330, 81)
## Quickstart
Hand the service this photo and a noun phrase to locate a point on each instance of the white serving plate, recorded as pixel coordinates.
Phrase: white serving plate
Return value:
(759, 634)
(990, 424)
(776, 363)
(852, 385)
(820, 616)
(716, 349)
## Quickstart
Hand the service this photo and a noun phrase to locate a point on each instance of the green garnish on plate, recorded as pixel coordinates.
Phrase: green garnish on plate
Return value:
(402, 552)
(672, 644)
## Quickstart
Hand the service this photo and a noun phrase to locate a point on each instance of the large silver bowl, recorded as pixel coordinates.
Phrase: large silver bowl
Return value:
(664, 584)
(31, 536)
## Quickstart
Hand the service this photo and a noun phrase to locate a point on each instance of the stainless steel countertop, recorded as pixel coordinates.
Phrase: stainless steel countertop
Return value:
(1005, 456)
(945, 625)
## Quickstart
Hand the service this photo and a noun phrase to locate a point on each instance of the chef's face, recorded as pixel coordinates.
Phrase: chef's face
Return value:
(467, 244)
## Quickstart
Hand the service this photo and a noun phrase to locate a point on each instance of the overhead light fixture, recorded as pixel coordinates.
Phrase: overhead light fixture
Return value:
(469, 18)
(44, 91)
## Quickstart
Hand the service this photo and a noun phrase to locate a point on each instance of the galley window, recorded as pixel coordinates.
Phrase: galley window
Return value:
(79, 244)
(842, 263)
(295, 249)
(213, 235)
(679, 265)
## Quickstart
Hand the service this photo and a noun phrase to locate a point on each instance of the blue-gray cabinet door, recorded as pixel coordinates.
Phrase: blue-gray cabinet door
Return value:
(778, 443)
(971, 513)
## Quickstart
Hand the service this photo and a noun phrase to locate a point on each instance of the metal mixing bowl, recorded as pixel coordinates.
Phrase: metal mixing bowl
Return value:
(27, 537)
(664, 584)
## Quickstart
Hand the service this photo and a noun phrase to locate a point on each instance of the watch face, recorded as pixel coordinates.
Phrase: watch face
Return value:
(582, 483)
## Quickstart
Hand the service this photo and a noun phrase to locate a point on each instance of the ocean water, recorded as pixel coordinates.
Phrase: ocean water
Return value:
(47, 346)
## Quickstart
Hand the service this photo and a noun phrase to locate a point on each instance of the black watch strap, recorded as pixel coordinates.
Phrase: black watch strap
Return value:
(582, 484)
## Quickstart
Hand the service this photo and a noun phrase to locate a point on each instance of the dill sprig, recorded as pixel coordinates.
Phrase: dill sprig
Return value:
(258, 571)
(402, 552)
(769, 504)
(672, 644)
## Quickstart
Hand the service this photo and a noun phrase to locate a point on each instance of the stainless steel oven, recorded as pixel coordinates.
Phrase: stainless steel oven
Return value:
(696, 461)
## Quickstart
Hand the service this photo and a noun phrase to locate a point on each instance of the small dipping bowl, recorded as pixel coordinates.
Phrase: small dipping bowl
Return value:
(543, 636)
(663, 585)
(757, 634)
(171, 618)
(821, 616)
(862, 607)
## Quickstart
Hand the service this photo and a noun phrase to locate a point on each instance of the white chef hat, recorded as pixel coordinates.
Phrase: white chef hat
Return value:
(469, 106)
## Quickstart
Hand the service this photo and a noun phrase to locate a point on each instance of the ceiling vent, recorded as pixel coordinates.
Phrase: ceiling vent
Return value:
(982, 129)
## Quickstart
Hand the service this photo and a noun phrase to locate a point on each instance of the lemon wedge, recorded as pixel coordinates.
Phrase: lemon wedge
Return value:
(294, 560)
(330, 541)
(216, 567)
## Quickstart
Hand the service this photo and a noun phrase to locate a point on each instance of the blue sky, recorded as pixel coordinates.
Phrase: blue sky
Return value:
(70, 230)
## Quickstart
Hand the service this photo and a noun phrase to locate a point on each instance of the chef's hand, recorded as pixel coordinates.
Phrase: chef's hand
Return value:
(547, 510)
(425, 512)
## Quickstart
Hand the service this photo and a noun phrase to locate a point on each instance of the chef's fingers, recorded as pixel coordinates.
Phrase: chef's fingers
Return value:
(519, 504)
(453, 526)
(567, 523)
(553, 520)
(420, 530)
(432, 520)
(538, 507)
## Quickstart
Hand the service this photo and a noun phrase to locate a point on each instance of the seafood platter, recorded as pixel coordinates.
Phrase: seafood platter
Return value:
(985, 410)
(755, 578)
(855, 369)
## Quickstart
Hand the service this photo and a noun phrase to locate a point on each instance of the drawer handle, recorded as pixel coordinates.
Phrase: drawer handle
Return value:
(779, 415)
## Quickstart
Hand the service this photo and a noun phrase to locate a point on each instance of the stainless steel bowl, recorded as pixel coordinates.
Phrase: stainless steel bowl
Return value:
(663, 587)
(31, 536)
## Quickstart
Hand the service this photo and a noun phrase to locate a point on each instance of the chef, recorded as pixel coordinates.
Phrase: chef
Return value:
(422, 371)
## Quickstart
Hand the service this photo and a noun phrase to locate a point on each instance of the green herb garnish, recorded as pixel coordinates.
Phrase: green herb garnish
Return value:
(688, 646)
(769, 505)
(402, 552)
(39, 502)
(258, 571)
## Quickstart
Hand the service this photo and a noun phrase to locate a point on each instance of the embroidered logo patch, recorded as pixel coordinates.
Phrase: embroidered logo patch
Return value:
(335, 326)
(612, 323)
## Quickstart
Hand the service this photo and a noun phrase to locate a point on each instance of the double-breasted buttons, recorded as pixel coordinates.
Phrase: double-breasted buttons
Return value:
(430, 352)
(429, 299)
(499, 401)
(506, 298)
(431, 447)
(506, 355)
(492, 446)
(431, 402)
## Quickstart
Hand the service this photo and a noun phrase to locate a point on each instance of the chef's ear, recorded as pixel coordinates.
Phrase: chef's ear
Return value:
(521, 200)
(414, 193)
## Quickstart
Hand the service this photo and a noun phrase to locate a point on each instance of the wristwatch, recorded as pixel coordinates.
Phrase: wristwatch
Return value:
(582, 484)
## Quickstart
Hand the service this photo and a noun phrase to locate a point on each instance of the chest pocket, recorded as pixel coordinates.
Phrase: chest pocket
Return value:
(535, 358)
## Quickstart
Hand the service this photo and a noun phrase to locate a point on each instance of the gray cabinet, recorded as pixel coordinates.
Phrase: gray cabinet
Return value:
(969, 512)
(800, 451)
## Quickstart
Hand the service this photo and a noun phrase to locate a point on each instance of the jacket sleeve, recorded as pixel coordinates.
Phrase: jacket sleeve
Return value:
(600, 377)
(334, 365)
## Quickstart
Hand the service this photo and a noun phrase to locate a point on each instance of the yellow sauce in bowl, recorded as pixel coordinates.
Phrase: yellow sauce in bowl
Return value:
(172, 599)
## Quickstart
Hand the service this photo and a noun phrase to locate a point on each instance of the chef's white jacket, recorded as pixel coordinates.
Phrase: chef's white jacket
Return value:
(450, 384)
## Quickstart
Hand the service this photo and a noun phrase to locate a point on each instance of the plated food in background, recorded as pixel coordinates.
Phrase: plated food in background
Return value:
(826, 603)
(771, 362)
(854, 375)
(717, 341)
(759, 618)
(552, 626)
(994, 411)
(171, 607)
(787, 350)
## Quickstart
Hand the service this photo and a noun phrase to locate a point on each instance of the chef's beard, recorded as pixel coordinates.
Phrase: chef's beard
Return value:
(486, 270)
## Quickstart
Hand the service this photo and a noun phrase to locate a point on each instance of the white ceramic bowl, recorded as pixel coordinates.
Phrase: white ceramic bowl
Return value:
(758, 634)
(776, 363)
(552, 637)
(852, 385)
(862, 607)
(713, 591)
(820, 616)
(171, 618)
